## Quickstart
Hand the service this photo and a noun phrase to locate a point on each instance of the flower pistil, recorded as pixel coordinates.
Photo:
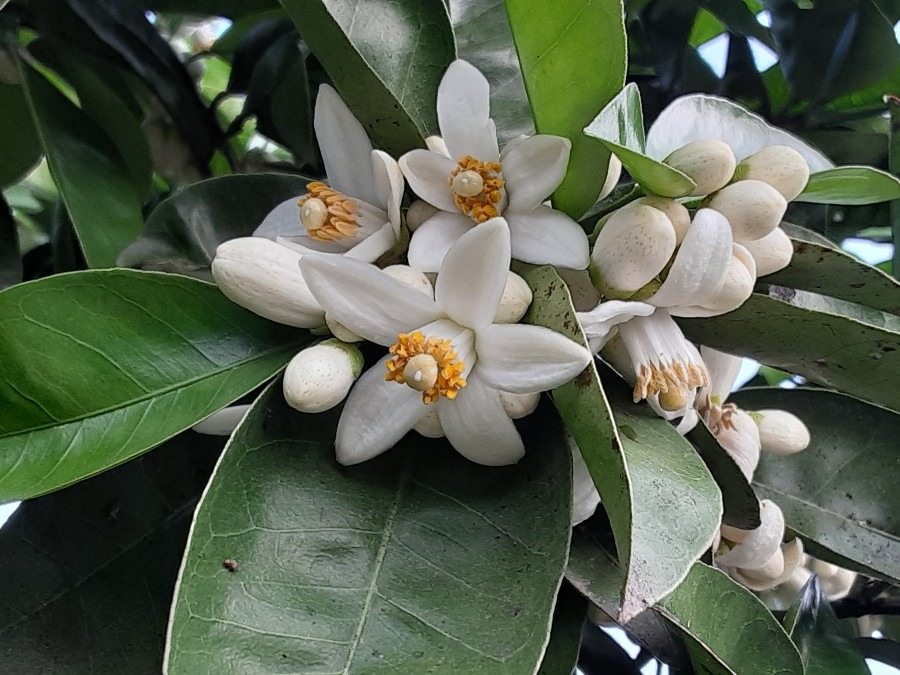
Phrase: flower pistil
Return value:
(427, 364)
(476, 188)
(327, 214)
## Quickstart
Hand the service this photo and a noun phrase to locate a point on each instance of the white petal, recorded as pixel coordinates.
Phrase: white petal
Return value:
(723, 369)
(365, 300)
(585, 497)
(700, 264)
(534, 168)
(598, 324)
(478, 427)
(463, 109)
(545, 236)
(282, 221)
(433, 238)
(222, 422)
(523, 359)
(389, 186)
(428, 174)
(345, 147)
(761, 543)
(473, 275)
(377, 415)
(375, 245)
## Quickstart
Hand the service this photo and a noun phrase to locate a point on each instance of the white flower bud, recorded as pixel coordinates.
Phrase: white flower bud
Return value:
(222, 422)
(709, 163)
(738, 285)
(518, 406)
(613, 173)
(319, 377)
(340, 331)
(585, 497)
(436, 144)
(417, 213)
(675, 212)
(771, 253)
(781, 568)
(823, 569)
(781, 432)
(410, 277)
(430, 425)
(265, 277)
(760, 545)
(633, 247)
(838, 585)
(734, 534)
(741, 442)
(752, 207)
(515, 301)
(778, 165)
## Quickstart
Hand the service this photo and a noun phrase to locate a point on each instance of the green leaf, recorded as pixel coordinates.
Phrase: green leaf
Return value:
(841, 491)
(92, 178)
(574, 58)
(650, 481)
(826, 647)
(183, 232)
(852, 185)
(390, 83)
(127, 359)
(90, 570)
(20, 148)
(415, 562)
(561, 656)
(483, 38)
(825, 269)
(734, 630)
(844, 346)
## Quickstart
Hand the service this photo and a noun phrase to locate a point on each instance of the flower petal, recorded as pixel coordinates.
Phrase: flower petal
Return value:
(377, 414)
(428, 174)
(366, 300)
(375, 245)
(433, 238)
(463, 110)
(473, 275)
(544, 236)
(701, 263)
(533, 168)
(524, 359)
(598, 324)
(345, 147)
(478, 427)
(761, 543)
(282, 221)
(389, 186)
(723, 369)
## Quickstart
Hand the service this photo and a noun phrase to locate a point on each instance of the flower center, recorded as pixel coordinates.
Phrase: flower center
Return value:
(476, 188)
(327, 214)
(427, 364)
(671, 380)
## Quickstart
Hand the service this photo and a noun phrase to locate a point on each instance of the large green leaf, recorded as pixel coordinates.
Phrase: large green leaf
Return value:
(20, 148)
(853, 185)
(101, 366)
(565, 637)
(416, 562)
(89, 571)
(664, 506)
(844, 346)
(573, 57)
(92, 178)
(183, 232)
(386, 58)
(841, 491)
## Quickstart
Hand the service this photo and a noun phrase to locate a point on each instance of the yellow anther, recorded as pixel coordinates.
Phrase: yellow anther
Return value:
(419, 359)
(327, 214)
(673, 379)
(470, 174)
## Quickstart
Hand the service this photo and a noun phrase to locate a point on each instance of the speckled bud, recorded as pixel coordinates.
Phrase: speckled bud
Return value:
(410, 277)
(515, 301)
(430, 425)
(752, 207)
(679, 216)
(708, 162)
(738, 285)
(781, 432)
(518, 406)
(319, 377)
(771, 253)
(778, 165)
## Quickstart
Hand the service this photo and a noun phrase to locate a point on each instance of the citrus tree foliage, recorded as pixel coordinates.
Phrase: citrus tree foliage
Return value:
(144, 143)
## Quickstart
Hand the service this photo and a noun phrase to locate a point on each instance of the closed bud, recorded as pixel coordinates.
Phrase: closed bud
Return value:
(760, 544)
(838, 585)
(515, 301)
(778, 165)
(633, 247)
(677, 214)
(709, 163)
(752, 207)
(319, 377)
(340, 331)
(430, 425)
(771, 253)
(410, 277)
(417, 213)
(738, 285)
(223, 422)
(741, 442)
(518, 406)
(781, 432)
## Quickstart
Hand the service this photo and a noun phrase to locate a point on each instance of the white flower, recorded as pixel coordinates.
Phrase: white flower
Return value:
(446, 354)
(470, 181)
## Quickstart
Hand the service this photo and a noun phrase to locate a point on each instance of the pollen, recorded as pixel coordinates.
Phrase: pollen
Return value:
(471, 174)
(427, 364)
(327, 214)
(670, 380)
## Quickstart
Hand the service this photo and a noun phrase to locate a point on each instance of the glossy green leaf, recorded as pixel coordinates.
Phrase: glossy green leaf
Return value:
(89, 571)
(854, 185)
(483, 38)
(183, 232)
(390, 83)
(573, 57)
(20, 147)
(651, 480)
(831, 493)
(565, 637)
(845, 346)
(101, 366)
(415, 562)
(93, 180)
(730, 625)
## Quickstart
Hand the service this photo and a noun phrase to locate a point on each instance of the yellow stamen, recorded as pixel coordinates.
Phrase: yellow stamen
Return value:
(327, 214)
(409, 368)
(676, 378)
(469, 174)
